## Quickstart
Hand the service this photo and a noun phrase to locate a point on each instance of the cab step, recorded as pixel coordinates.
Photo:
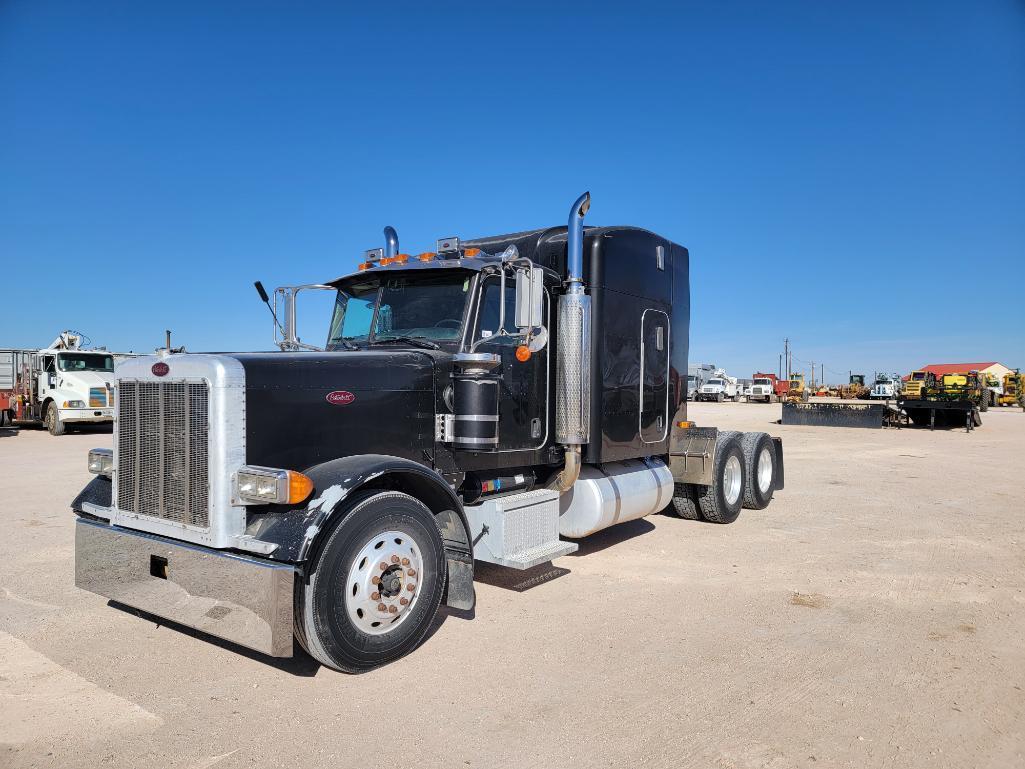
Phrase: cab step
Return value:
(519, 531)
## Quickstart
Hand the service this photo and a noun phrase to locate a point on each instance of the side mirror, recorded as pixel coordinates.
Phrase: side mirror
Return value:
(530, 294)
(263, 294)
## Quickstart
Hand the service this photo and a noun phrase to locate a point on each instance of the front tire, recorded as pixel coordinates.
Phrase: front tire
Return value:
(721, 502)
(376, 585)
(718, 398)
(53, 421)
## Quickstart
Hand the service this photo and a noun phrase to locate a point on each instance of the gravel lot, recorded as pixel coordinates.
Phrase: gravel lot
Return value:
(873, 616)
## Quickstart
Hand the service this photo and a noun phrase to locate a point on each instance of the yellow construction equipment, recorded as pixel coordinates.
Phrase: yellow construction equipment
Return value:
(1014, 390)
(797, 391)
(919, 384)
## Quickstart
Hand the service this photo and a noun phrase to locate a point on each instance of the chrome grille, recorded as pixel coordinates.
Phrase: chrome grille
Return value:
(163, 450)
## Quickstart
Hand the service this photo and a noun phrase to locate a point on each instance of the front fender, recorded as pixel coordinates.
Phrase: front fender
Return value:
(300, 531)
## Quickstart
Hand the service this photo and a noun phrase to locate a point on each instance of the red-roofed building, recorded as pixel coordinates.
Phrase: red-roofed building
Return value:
(989, 367)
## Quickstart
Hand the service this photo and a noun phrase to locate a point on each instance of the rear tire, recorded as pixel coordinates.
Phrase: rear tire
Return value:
(721, 501)
(759, 470)
(338, 619)
(685, 502)
(53, 421)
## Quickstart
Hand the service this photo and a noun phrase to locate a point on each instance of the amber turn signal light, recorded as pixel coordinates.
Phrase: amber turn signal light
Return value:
(299, 487)
(684, 425)
(426, 256)
(523, 353)
(471, 252)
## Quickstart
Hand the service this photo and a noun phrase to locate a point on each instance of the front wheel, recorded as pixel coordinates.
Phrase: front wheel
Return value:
(53, 421)
(718, 398)
(376, 585)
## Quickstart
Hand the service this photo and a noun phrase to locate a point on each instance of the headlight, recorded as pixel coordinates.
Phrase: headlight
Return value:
(101, 462)
(268, 486)
(74, 404)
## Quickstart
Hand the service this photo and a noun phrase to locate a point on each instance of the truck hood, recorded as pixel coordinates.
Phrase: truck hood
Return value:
(84, 379)
(305, 408)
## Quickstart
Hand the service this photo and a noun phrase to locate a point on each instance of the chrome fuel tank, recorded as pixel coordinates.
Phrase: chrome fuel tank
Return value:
(608, 494)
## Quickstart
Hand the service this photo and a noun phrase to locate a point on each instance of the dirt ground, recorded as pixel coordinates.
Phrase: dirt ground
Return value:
(873, 616)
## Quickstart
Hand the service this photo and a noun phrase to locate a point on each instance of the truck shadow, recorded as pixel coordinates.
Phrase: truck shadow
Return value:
(621, 532)
(514, 579)
(8, 432)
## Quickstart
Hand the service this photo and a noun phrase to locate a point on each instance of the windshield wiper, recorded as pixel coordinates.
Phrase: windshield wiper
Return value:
(346, 342)
(416, 341)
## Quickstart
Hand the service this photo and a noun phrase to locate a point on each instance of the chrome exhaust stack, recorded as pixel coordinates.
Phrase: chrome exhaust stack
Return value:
(391, 241)
(573, 365)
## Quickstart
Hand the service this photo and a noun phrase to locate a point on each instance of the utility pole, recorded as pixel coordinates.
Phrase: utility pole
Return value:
(786, 354)
(822, 373)
(813, 375)
(781, 365)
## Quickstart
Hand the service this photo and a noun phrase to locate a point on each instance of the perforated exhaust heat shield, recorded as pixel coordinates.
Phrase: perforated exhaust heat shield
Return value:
(573, 370)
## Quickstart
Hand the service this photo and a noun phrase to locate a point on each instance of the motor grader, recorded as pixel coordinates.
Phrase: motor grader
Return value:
(855, 389)
(798, 391)
(1014, 390)
(919, 384)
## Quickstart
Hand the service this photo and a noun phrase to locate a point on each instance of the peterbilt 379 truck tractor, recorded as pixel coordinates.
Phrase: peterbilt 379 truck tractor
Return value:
(493, 400)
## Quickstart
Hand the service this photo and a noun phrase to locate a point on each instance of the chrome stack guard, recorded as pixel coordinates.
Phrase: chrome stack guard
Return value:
(235, 597)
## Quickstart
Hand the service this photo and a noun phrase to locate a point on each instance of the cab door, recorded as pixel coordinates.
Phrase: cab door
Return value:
(654, 385)
(523, 394)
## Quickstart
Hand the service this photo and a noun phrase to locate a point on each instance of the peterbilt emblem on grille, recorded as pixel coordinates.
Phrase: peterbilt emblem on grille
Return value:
(160, 369)
(340, 398)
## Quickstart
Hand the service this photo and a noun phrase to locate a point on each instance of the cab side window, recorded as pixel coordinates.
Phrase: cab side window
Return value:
(488, 317)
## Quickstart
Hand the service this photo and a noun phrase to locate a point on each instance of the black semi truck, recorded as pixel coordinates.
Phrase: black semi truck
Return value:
(493, 400)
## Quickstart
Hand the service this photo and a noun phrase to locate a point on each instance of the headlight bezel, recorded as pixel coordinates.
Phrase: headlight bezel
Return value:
(74, 404)
(256, 485)
(101, 462)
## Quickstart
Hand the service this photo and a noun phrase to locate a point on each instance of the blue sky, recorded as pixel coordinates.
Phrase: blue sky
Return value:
(850, 176)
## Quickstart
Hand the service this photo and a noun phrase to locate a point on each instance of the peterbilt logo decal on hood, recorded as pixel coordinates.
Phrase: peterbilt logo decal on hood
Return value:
(340, 398)
(160, 369)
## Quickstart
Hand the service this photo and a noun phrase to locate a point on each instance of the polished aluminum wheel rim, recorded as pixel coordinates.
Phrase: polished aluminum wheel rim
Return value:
(764, 470)
(383, 584)
(731, 480)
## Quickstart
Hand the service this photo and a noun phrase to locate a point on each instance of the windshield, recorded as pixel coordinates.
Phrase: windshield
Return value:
(918, 375)
(715, 381)
(81, 361)
(691, 378)
(427, 307)
(763, 381)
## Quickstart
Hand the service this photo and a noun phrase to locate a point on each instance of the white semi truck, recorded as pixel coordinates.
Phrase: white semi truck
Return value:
(61, 386)
(719, 388)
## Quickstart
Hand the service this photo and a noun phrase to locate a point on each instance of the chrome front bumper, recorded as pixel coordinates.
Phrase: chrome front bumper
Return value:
(241, 599)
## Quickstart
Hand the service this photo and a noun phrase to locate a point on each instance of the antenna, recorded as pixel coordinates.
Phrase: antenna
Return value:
(266, 300)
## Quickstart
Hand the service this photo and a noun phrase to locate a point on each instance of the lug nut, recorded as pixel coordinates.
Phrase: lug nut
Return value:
(403, 601)
(376, 580)
(411, 572)
(383, 565)
(410, 588)
(394, 559)
(382, 607)
(405, 562)
(392, 609)
(375, 596)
